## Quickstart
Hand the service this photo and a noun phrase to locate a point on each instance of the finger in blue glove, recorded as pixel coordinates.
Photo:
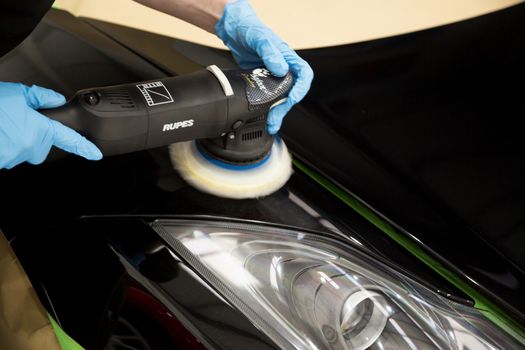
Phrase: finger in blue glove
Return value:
(26, 135)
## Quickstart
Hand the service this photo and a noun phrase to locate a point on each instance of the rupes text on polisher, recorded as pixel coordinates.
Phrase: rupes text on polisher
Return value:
(177, 125)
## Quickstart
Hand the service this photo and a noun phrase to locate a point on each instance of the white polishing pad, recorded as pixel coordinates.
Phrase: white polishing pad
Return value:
(231, 181)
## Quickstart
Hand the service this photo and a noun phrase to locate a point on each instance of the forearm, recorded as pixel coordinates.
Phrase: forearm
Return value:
(202, 13)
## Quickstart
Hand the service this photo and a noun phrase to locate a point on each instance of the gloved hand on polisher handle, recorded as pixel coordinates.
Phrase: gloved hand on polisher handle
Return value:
(252, 43)
(26, 135)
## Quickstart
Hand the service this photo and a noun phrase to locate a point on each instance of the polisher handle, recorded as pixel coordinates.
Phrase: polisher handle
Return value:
(112, 132)
(132, 117)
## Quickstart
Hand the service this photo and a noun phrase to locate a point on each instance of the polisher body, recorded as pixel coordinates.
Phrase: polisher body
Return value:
(226, 110)
(214, 120)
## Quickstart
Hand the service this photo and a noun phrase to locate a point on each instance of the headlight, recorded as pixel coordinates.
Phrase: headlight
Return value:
(311, 292)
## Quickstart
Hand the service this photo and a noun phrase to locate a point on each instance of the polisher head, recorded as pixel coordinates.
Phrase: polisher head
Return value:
(232, 180)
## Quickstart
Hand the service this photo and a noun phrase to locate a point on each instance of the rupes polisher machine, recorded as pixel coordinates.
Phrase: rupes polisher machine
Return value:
(214, 121)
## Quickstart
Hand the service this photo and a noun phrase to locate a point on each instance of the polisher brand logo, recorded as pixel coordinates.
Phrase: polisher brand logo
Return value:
(261, 72)
(177, 125)
(155, 93)
(256, 76)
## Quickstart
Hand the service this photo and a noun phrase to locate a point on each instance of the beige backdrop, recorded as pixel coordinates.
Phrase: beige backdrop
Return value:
(303, 23)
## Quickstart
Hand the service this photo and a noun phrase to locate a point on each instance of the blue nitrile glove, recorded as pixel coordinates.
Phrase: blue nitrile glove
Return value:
(252, 43)
(26, 135)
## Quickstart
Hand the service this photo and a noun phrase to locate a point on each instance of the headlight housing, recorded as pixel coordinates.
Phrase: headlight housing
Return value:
(308, 291)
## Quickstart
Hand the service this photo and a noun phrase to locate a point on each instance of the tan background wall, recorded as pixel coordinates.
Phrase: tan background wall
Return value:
(303, 23)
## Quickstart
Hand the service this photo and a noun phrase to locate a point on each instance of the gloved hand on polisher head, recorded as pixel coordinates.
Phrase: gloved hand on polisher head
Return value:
(253, 43)
(26, 135)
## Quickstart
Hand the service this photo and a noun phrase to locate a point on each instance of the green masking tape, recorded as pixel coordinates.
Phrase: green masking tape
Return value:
(65, 341)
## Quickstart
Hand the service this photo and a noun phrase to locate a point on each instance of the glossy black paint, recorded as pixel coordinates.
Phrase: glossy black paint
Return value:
(426, 129)
(41, 204)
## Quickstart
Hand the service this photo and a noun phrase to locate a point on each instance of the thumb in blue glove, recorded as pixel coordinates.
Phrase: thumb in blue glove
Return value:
(26, 135)
(252, 43)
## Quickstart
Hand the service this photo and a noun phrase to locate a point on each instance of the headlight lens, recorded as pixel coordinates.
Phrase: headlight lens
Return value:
(311, 292)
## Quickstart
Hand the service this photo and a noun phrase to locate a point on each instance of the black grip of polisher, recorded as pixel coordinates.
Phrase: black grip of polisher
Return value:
(113, 131)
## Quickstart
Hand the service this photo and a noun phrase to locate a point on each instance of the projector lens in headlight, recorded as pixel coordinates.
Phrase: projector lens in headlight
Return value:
(307, 291)
(363, 318)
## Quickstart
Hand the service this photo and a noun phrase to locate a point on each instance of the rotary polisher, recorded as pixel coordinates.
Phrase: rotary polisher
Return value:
(214, 121)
